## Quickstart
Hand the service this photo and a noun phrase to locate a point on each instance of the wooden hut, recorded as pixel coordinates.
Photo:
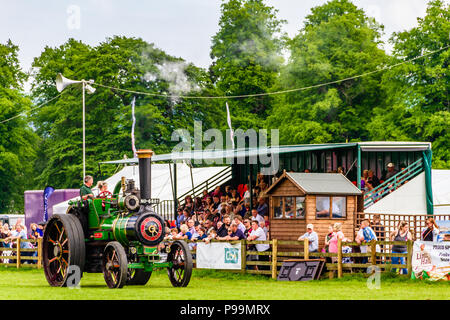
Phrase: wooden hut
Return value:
(297, 199)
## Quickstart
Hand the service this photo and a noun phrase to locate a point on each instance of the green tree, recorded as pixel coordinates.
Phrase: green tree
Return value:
(338, 41)
(128, 63)
(246, 53)
(418, 91)
(16, 137)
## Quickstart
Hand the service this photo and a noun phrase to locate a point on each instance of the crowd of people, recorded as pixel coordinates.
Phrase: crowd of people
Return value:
(370, 181)
(369, 231)
(10, 235)
(223, 215)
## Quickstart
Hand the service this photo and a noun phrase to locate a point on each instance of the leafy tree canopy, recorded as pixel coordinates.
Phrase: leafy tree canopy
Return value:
(418, 91)
(118, 62)
(246, 53)
(338, 41)
(17, 140)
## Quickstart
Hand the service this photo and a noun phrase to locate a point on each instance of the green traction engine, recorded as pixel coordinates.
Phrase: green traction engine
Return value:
(119, 236)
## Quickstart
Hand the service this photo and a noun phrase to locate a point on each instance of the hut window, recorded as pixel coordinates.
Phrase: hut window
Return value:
(288, 207)
(338, 207)
(322, 207)
(277, 207)
(334, 205)
(300, 207)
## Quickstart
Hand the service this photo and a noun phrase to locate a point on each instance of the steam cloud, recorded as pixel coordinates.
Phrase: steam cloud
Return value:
(174, 72)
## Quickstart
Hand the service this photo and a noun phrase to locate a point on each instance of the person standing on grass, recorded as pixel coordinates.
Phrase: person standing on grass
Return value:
(35, 232)
(365, 235)
(401, 234)
(248, 227)
(431, 232)
(333, 244)
(313, 238)
(20, 233)
(258, 234)
(328, 238)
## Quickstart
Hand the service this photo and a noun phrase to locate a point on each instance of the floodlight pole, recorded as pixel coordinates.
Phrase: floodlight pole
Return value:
(61, 83)
(84, 130)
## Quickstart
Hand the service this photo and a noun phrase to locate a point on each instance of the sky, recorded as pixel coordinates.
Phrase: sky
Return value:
(182, 28)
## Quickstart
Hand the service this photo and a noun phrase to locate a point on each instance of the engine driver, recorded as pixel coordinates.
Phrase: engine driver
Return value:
(85, 190)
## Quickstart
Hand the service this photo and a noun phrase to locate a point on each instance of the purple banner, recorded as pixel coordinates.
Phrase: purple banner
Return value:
(34, 206)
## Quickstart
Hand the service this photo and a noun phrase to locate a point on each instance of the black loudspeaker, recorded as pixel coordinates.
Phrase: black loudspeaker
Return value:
(301, 270)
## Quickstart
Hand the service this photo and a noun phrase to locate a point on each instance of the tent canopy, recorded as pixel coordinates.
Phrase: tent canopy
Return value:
(229, 154)
(161, 182)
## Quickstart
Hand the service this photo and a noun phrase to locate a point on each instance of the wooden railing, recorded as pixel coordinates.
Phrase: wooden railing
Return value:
(270, 265)
(14, 256)
(382, 260)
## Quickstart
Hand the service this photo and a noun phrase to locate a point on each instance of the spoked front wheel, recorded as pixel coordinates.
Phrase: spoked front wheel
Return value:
(181, 258)
(114, 265)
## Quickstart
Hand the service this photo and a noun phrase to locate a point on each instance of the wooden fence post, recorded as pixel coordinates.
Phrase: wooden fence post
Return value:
(306, 248)
(243, 256)
(339, 258)
(274, 258)
(18, 253)
(373, 252)
(409, 257)
(39, 253)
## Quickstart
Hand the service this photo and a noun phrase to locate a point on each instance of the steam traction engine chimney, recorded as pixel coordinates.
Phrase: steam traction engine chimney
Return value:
(145, 177)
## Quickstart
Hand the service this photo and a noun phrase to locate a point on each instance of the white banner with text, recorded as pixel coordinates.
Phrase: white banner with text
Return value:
(218, 255)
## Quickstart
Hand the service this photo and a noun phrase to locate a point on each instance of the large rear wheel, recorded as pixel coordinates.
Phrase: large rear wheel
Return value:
(181, 258)
(64, 251)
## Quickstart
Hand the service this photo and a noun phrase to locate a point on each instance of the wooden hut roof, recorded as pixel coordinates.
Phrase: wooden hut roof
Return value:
(320, 183)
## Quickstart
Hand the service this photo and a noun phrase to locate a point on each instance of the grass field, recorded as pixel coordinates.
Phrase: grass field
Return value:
(31, 284)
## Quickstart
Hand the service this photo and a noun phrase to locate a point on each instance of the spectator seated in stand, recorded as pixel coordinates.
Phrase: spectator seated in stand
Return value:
(262, 225)
(233, 233)
(201, 234)
(188, 205)
(172, 233)
(208, 226)
(184, 233)
(263, 208)
(256, 216)
(217, 192)
(222, 231)
(391, 171)
(180, 217)
(212, 234)
(238, 221)
(205, 195)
